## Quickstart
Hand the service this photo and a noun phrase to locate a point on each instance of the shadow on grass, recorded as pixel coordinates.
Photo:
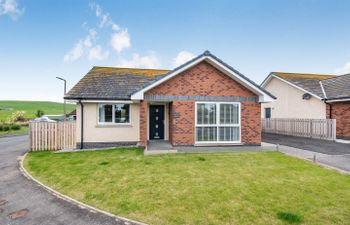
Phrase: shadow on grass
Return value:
(289, 217)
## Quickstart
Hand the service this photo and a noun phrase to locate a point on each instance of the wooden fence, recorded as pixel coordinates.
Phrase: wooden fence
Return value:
(52, 136)
(311, 128)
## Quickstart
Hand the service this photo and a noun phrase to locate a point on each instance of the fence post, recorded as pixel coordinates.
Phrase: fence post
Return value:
(311, 130)
(334, 133)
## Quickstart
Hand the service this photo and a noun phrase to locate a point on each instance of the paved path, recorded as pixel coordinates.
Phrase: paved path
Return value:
(31, 204)
(330, 153)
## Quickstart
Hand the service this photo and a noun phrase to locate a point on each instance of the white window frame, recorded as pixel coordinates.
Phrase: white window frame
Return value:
(113, 114)
(218, 124)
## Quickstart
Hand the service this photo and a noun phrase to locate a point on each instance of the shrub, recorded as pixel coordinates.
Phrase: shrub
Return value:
(15, 127)
(6, 128)
(1, 127)
(18, 116)
(39, 113)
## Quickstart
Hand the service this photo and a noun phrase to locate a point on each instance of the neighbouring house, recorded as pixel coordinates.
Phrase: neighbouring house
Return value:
(312, 96)
(202, 102)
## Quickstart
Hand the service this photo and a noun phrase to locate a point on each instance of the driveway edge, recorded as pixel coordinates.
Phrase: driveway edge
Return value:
(69, 199)
(282, 149)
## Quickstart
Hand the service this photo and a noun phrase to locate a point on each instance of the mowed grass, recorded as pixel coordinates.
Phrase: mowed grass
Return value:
(213, 188)
(31, 107)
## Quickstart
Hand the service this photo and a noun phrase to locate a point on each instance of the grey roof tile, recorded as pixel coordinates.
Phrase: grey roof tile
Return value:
(338, 87)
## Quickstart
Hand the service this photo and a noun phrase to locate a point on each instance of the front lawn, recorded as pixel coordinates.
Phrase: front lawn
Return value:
(213, 188)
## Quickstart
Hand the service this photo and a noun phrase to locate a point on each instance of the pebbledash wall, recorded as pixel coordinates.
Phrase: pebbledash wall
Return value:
(202, 80)
(341, 112)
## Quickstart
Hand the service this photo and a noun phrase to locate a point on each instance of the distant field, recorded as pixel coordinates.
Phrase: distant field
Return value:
(30, 107)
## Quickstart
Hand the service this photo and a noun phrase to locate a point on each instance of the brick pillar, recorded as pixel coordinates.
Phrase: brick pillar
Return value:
(328, 111)
(143, 122)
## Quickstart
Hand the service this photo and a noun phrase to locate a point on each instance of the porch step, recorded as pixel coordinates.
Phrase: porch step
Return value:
(158, 152)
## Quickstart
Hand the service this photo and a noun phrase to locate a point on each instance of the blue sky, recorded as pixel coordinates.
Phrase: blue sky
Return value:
(40, 40)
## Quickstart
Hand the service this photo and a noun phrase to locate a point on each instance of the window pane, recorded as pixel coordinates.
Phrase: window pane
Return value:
(206, 134)
(121, 113)
(229, 114)
(105, 113)
(206, 113)
(229, 134)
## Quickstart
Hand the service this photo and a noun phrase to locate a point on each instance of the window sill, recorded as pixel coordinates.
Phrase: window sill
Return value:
(217, 143)
(113, 125)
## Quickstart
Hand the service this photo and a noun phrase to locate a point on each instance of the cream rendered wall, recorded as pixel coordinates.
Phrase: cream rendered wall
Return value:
(290, 104)
(93, 132)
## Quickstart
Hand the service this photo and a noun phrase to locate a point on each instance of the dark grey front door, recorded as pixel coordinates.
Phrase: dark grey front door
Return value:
(156, 122)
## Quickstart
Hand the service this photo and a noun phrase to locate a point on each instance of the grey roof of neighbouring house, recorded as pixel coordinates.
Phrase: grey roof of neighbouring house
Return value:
(308, 82)
(109, 83)
(337, 87)
(112, 83)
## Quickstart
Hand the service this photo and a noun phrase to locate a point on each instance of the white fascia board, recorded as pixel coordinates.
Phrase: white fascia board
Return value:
(262, 95)
(266, 81)
(297, 87)
(104, 101)
(265, 97)
(339, 100)
(323, 91)
(139, 95)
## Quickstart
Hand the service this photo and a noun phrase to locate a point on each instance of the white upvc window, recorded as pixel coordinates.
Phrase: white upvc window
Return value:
(118, 113)
(218, 122)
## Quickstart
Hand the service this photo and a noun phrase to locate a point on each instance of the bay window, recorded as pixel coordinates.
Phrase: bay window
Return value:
(217, 122)
(114, 113)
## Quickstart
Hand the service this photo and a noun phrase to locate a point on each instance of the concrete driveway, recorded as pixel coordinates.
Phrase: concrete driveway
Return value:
(23, 202)
(330, 153)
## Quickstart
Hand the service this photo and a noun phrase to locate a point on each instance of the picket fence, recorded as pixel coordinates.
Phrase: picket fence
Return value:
(52, 136)
(311, 128)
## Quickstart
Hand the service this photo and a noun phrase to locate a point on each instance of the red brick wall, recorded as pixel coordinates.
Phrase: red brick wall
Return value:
(205, 80)
(251, 122)
(341, 112)
(328, 111)
(143, 122)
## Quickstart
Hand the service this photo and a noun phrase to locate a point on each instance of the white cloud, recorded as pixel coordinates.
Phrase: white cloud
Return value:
(80, 47)
(148, 61)
(345, 69)
(182, 57)
(120, 40)
(105, 19)
(96, 53)
(10, 8)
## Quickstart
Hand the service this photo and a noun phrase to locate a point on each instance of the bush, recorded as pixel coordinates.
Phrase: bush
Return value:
(15, 127)
(1, 127)
(6, 128)
(39, 113)
(18, 116)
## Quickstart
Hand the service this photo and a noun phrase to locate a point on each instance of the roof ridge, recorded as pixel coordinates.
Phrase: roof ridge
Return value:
(115, 67)
(314, 74)
(337, 76)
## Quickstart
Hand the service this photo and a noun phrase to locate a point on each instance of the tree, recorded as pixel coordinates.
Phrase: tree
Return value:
(39, 113)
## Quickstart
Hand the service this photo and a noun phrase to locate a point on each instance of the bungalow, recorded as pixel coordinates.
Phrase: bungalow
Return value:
(312, 96)
(202, 102)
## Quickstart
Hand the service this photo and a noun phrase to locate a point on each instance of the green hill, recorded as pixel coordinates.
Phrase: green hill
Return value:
(30, 108)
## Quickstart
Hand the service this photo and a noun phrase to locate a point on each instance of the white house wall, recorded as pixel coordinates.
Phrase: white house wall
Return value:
(290, 104)
(93, 132)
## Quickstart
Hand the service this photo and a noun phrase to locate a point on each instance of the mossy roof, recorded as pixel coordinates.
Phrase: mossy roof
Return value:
(113, 83)
(308, 82)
